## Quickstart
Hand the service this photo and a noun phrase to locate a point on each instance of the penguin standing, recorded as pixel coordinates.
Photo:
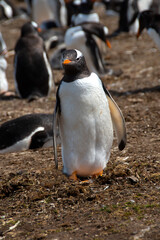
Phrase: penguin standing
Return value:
(32, 71)
(81, 37)
(128, 21)
(85, 113)
(150, 21)
(3, 66)
(30, 131)
(134, 8)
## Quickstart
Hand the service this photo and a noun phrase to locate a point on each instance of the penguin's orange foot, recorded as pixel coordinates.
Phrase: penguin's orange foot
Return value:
(7, 94)
(96, 175)
(73, 176)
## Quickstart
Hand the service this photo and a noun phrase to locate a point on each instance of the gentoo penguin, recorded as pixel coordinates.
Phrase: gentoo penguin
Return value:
(26, 132)
(81, 37)
(75, 7)
(128, 21)
(8, 9)
(85, 113)
(134, 8)
(32, 71)
(150, 21)
(3, 66)
(82, 17)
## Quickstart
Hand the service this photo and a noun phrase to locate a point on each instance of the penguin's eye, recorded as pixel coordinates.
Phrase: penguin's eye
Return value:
(78, 59)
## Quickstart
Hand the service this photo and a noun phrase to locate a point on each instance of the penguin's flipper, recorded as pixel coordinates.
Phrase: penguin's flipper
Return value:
(55, 126)
(118, 120)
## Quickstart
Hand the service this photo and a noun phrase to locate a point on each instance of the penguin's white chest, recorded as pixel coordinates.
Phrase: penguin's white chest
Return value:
(85, 126)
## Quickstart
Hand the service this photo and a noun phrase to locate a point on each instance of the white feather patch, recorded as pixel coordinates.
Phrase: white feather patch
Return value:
(79, 54)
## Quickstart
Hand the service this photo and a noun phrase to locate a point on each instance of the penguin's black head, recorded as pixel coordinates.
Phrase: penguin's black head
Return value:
(29, 28)
(74, 64)
(97, 29)
(145, 20)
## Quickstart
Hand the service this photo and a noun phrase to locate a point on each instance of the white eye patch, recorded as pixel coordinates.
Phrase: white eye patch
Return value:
(105, 29)
(79, 54)
(34, 24)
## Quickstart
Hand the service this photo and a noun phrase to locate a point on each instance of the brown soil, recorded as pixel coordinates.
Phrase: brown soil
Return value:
(39, 202)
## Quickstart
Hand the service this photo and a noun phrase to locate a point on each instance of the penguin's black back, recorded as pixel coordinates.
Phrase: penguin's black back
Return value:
(17, 129)
(31, 73)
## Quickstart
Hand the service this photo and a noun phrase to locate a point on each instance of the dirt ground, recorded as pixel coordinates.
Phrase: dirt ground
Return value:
(39, 202)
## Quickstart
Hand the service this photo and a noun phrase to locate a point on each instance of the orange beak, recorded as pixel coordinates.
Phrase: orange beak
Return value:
(66, 61)
(108, 43)
(39, 29)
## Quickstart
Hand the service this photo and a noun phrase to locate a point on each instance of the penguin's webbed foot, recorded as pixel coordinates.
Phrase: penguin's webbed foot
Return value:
(73, 176)
(96, 175)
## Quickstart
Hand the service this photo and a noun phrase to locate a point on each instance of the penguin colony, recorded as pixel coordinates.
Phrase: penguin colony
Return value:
(85, 114)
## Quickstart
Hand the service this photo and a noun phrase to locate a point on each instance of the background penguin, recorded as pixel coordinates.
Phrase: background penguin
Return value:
(8, 9)
(85, 113)
(81, 18)
(128, 21)
(27, 132)
(81, 37)
(134, 8)
(3, 66)
(150, 21)
(75, 7)
(33, 74)
(49, 10)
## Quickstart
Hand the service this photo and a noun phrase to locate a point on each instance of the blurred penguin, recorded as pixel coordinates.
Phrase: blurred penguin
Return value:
(82, 17)
(134, 8)
(128, 21)
(75, 7)
(52, 11)
(32, 71)
(151, 22)
(8, 10)
(81, 37)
